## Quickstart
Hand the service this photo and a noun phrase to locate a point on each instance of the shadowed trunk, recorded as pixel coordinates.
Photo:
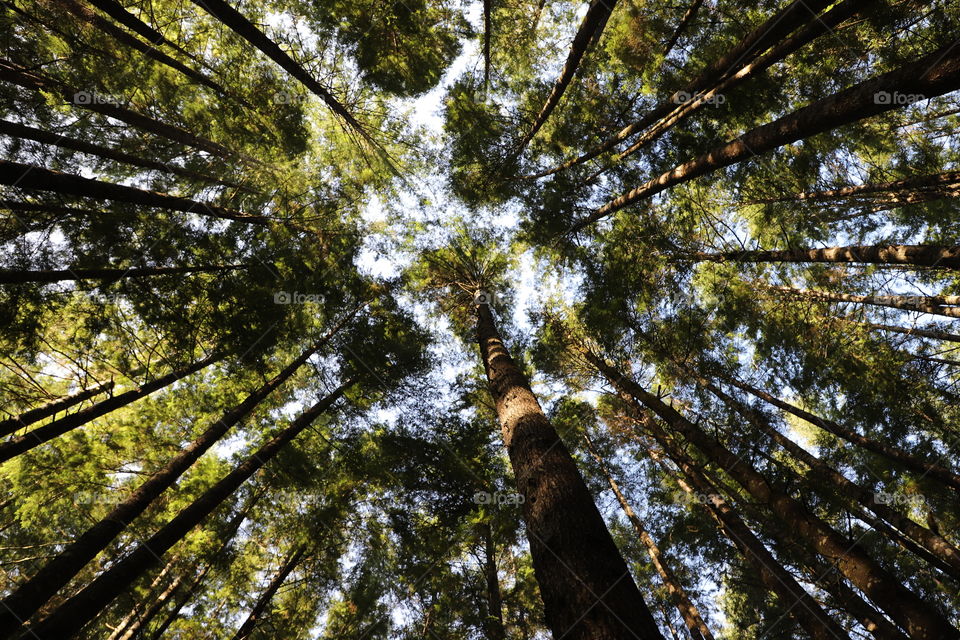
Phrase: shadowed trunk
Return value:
(911, 331)
(921, 255)
(495, 628)
(587, 590)
(685, 21)
(27, 418)
(12, 276)
(941, 184)
(256, 613)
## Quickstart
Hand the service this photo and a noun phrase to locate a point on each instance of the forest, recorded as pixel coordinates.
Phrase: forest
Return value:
(479, 319)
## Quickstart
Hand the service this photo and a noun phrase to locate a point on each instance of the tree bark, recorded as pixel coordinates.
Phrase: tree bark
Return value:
(25, 176)
(920, 255)
(916, 616)
(256, 613)
(947, 183)
(495, 628)
(587, 590)
(697, 628)
(54, 575)
(948, 306)
(159, 603)
(25, 132)
(685, 21)
(69, 618)
(15, 423)
(116, 11)
(910, 461)
(932, 75)
(912, 331)
(13, 276)
(15, 446)
(589, 31)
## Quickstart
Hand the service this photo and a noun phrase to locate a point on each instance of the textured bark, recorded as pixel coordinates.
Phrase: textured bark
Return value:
(13, 276)
(697, 628)
(894, 454)
(589, 31)
(30, 177)
(15, 423)
(921, 255)
(256, 613)
(807, 612)
(234, 20)
(25, 132)
(948, 306)
(15, 446)
(738, 59)
(917, 617)
(932, 75)
(66, 620)
(54, 575)
(495, 628)
(587, 590)
(825, 477)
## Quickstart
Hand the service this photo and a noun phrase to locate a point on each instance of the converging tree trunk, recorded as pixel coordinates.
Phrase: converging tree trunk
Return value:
(67, 619)
(256, 613)
(587, 590)
(25, 419)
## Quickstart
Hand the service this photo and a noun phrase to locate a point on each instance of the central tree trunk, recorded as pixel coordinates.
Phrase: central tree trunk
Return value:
(587, 590)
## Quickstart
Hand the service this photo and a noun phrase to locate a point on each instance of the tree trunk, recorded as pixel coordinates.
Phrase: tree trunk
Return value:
(487, 32)
(920, 619)
(20, 76)
(25, 176)
(13, 276)
(688, 611)
(947, 183)
(234, 20)
(15, 446)
(932, 75)
(67, 619)
(25, 132)
(912, 331)
(935, 305)
(774, 30)
(256, 613)
(116, 11)
(589, 31)
(495, 628)
(820, 474)
(685, 21)
(53, 576)
(808, 613)
(15, 423)
(921, 255)
(587, 590)
(910, 461)
(159, 603)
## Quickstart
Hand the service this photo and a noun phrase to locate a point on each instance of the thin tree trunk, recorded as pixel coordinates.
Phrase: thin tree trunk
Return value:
(134, 613)
(894, 454)
(159, 603)
(932, 75)
(587, 590)
(685, 21)
(935, 305)
(935, 183)
(13, 276)
(256, 613)
(688, 611)
(67, 619)
(20, 76)
(25, 132)
(487, 32)
(821, 473)
(915, 615)
(15, 446)
(25, 176)
(807, 612)
(774, 30)
(15, 423)
(32, 595)
(589, 31)
(922, 255)
(234, 20)
(495, 628)
(912, 331)
(116, 11)
(87, 15)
